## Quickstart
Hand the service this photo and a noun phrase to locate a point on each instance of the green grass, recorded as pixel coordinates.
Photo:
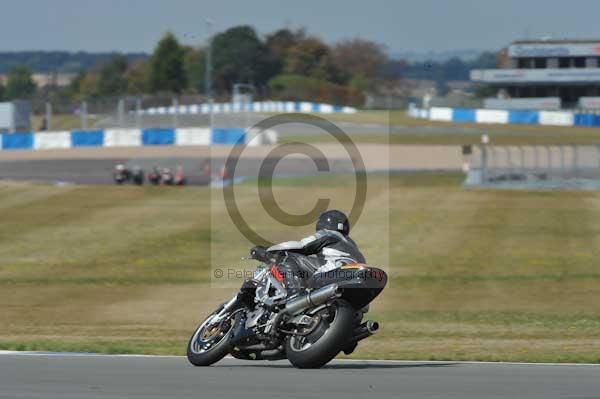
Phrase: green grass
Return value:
(63, 122)
(474, 274)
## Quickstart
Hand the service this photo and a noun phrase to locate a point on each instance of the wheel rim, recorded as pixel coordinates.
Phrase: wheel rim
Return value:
(300, 343)
(209, 335)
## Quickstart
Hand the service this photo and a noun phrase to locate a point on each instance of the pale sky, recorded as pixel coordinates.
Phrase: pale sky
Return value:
(422, 25)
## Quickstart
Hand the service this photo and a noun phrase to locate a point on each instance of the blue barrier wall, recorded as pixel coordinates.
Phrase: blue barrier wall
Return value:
(587, 120)
(87, 138)
(463, 115)
(17, 141)
(158, 136)
(523, 117)
(228, 136)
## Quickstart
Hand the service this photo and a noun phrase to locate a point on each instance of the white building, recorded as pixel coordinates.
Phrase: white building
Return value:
(546, 74)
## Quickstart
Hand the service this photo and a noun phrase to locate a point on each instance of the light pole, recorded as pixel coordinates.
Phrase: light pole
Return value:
(243, 99)
(208, 70)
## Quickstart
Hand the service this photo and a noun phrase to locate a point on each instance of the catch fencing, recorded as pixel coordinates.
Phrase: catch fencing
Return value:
(543, 166)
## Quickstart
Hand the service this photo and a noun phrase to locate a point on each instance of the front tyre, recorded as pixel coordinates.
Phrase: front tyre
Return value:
(210, 341)
(325, 341)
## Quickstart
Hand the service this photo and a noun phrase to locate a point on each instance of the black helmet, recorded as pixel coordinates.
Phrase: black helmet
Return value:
(334, 220)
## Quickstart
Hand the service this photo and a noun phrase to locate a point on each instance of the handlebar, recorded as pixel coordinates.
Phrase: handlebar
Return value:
(262, 255)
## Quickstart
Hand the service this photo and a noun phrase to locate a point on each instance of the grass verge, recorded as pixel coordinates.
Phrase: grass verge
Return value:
(475, 274)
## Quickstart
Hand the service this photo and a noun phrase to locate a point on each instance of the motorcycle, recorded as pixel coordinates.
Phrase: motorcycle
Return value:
(154, 177)
(310, 329)
(137, 176)
(166, 177)
(121, 175)
(180, 179)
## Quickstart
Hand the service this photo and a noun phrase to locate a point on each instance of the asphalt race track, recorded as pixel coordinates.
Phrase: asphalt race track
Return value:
(99, 171)
(82, 376)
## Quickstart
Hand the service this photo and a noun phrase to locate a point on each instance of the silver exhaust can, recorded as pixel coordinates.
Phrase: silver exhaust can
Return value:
(312, 300)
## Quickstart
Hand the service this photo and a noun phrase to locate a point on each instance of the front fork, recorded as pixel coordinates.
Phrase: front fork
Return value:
(227, 309)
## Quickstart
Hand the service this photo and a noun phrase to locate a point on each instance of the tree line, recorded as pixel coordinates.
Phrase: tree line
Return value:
(59, 61)
(285, 64)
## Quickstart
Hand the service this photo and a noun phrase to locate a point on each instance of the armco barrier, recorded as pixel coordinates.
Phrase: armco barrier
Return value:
(133, 138)
(258, 106)
(468, 115)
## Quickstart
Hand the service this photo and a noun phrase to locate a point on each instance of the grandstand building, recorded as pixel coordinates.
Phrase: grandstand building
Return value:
(545, 74)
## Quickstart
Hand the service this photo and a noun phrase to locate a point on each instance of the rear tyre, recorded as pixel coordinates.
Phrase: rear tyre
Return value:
(210, 341)
(323, 344)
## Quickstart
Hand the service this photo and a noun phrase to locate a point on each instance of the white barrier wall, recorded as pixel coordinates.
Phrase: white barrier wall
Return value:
(55, 140)
(122, 138)
(193, 136)
(491, 116)
(306, 107)
(557, 118)
(267, 137)
(441, 114)
(326, 109)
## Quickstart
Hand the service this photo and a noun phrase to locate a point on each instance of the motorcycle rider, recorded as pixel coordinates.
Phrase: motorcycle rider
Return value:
(121, 174)
(329, 248)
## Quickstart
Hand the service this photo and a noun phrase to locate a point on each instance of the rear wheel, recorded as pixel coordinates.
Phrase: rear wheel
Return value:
(324, 341)
(210, 341)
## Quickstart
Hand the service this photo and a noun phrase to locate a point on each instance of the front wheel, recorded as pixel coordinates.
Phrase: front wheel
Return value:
(326, 340)
(210, 341)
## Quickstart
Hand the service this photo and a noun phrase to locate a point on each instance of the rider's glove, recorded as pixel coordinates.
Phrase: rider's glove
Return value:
(259, 253)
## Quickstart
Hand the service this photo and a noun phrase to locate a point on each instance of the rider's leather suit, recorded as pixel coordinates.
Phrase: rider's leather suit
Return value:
(323, 251)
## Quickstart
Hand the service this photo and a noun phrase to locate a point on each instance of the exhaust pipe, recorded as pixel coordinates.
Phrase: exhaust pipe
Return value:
(365, 330)
(312, 300)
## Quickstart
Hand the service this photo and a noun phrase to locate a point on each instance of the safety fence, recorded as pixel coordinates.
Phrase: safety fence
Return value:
(264, 106)
(517, 117)
(541, 166)
(135, 138)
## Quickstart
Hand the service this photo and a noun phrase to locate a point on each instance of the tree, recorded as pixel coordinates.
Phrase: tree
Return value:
(2, 92)
(167, 72)
(303, 88)
(360, 59)
(195, 66)
(88, 88)
(240, 57)
(112, 80)
(279, 43)
(20, 84)
(138, 78)
(311, 57)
